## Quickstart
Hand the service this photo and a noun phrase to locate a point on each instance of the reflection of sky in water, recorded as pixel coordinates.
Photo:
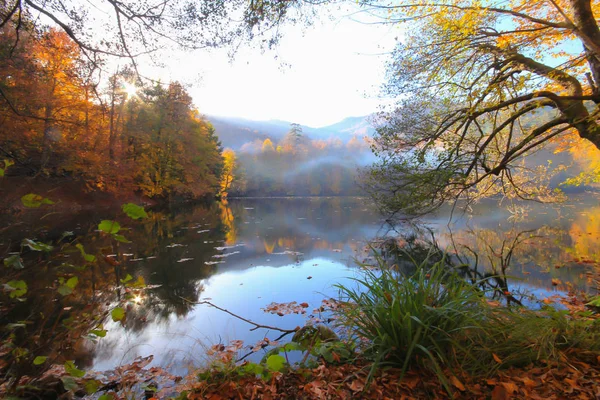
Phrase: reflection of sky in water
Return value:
(281, 242)
(243, 292)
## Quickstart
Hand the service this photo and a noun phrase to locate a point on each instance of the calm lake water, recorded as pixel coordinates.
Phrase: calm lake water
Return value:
(249, 253)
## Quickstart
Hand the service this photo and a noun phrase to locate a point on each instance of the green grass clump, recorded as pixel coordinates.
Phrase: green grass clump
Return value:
(436, 320)
(413, 320)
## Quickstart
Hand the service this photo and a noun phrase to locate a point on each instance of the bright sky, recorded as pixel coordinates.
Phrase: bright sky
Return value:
(334, 70)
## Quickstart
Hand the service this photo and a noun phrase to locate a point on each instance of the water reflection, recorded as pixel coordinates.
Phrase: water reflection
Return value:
(245, 254)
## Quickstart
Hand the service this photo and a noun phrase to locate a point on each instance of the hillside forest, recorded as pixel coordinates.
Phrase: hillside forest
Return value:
(123, 139)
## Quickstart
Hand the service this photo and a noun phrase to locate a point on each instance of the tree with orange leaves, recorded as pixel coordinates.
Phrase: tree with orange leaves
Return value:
(483, 85)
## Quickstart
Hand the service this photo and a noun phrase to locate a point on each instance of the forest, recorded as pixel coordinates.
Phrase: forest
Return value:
(59, 123)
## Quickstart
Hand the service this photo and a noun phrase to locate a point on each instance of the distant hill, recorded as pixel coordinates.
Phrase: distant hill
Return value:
(235, 132)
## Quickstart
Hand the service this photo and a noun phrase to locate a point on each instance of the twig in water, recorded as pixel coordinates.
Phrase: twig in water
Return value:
(256, 326)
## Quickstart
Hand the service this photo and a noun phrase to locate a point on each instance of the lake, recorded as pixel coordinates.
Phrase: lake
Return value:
(245, 254)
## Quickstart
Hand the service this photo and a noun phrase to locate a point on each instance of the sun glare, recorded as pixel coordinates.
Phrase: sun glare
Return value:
(130, 90)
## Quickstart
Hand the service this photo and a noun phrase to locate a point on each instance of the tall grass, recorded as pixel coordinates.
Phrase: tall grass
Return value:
(435, 320)
(413, 320)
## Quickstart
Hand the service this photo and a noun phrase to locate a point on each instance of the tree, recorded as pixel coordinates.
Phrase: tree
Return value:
(229, 166)
(132, 28)
(481, 86)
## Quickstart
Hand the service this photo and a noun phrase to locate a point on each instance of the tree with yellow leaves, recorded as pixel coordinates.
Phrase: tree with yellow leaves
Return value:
(483, 85)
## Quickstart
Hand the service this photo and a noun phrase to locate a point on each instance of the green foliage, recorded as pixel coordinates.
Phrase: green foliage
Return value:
(37, 246)
(14, 262)
(595, 302)
(67, 287)
(99, 331)
(92, 386)
(108, 226)
(72, 370)
(33, 200)
(412, 320)
(275, 363)
(7, 163)
(39, 360)
(134, 211)
(16, 288)
(117, 314)
(87, 257)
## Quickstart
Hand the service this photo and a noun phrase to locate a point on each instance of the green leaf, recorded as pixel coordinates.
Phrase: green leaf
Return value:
(69, 383)
(72, 282)
(64, 290)
(127, 278)
(108, 226)
(72, 370)
(121, 238)
(14, 261)
(99, 332)
(16, 288)
(106, 397)
(117, 314)
(33, 200)
(92, 386)
(39, 360)
(252, 368)
(87, 257)
(134, 211)
(37, 246)
(291, 346)
(275, 363)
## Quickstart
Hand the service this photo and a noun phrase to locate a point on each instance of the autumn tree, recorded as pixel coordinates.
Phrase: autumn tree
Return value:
(481, 86)
(229, 166)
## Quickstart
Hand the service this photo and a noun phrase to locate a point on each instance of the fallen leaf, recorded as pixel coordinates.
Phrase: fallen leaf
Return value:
(496, 358)
(510, 387)
(500, 393)
(457, 384)
(356, 386)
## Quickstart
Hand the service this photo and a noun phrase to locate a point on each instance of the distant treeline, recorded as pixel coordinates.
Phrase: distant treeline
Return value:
(295, 166)
(61, 117)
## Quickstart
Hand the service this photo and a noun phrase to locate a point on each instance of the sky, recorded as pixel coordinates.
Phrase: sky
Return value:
(317, 75)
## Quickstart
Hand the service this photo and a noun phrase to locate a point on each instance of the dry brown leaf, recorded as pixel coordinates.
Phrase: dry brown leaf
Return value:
(510, 387)
(496, 358)
(356, 386)
(457, 384)
(500, 393)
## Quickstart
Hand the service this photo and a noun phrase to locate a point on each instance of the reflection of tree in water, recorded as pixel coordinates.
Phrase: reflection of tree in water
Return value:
(500, 259)
(299, 224)
(170, 279)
